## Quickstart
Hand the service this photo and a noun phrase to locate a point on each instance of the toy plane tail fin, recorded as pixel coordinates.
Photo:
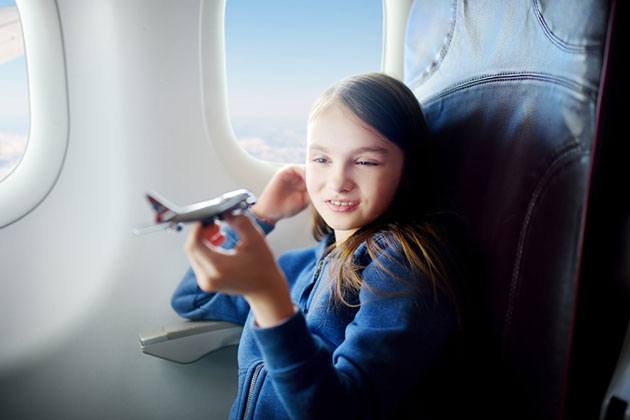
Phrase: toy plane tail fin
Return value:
(164, 211)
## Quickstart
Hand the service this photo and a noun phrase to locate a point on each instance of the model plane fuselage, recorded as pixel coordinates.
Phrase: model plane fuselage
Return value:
(168, 215)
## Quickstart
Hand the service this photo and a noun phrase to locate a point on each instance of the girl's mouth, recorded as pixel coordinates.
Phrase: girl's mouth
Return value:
(341, 206)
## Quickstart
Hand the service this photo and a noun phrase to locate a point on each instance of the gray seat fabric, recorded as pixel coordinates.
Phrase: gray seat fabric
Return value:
(510, 91)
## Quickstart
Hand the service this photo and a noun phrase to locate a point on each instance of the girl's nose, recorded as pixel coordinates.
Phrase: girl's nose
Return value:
(341, 180)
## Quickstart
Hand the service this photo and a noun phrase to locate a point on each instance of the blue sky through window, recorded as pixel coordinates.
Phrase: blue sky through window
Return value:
(14, 102)
(281, 54)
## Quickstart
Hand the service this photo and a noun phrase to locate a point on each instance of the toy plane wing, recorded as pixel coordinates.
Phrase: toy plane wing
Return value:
(171, 216)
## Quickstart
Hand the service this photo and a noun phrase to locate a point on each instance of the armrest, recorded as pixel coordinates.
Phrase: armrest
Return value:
(189, 341)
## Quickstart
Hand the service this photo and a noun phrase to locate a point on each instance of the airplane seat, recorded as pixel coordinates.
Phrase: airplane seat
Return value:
(510, 91)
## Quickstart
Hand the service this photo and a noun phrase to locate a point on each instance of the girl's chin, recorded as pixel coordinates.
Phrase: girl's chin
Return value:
(337, 224)
(342, 221)
(343, 225)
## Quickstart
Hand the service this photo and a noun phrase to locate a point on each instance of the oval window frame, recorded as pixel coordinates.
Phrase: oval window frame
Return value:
(38, 171)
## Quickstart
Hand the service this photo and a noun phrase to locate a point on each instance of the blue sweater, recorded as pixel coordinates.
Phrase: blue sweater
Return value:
(332, 362)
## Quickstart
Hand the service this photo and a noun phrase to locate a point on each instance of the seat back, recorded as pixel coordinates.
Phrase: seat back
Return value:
(510, 90)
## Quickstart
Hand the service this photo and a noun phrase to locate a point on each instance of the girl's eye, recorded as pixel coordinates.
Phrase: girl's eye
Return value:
(367, 163)
(320, 160)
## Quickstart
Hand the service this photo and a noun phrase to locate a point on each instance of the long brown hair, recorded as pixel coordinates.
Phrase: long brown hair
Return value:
(389, 107)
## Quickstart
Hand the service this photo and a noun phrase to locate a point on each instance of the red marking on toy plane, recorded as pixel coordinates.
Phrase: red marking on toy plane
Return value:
(160, 209)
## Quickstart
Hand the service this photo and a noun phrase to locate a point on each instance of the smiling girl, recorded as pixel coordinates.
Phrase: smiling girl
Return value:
(359, 325)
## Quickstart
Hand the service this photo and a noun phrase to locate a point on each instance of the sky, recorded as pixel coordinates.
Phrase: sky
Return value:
(14, 112)
(280, 55)
(14, 96)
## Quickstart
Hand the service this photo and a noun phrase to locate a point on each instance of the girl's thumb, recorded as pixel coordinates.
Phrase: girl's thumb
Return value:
(243, 226)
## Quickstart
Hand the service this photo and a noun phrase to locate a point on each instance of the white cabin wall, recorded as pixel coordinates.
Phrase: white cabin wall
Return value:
(78, 286)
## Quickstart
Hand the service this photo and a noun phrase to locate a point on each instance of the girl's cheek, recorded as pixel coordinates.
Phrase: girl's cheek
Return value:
(310, 180)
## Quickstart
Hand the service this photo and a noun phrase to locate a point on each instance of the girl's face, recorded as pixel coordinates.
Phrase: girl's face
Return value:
(352, 172)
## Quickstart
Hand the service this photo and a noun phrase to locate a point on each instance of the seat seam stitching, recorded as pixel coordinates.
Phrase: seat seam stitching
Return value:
(564, 159)
(506, 77)
(555, 39)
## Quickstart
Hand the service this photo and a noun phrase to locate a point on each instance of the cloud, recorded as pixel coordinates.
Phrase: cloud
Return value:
(12, 147)
(264, 149)
(273, 140)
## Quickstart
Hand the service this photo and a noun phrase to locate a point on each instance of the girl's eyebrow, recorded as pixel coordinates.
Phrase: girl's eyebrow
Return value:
(374, 149)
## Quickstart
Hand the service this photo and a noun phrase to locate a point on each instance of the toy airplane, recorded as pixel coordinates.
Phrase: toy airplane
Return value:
(169, 216)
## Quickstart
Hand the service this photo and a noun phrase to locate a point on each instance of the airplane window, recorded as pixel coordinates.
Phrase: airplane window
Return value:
(280, 55)
(14, 99)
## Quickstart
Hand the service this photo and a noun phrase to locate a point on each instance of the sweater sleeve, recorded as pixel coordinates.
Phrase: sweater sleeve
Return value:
(189, 301)
(393, 340)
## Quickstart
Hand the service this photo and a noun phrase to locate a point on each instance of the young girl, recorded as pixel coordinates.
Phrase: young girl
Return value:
(358, 325)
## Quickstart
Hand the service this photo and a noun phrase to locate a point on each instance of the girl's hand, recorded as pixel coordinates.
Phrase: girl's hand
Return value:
(284, 196)
(249, 270)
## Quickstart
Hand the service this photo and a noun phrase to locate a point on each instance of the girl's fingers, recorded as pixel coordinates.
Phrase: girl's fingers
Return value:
(297, 174)
(205, 273)
(200, 240)
(200, 234)
(194, 238)
(301, 170)
(209, 263)
(198, 268)
(244, 227)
